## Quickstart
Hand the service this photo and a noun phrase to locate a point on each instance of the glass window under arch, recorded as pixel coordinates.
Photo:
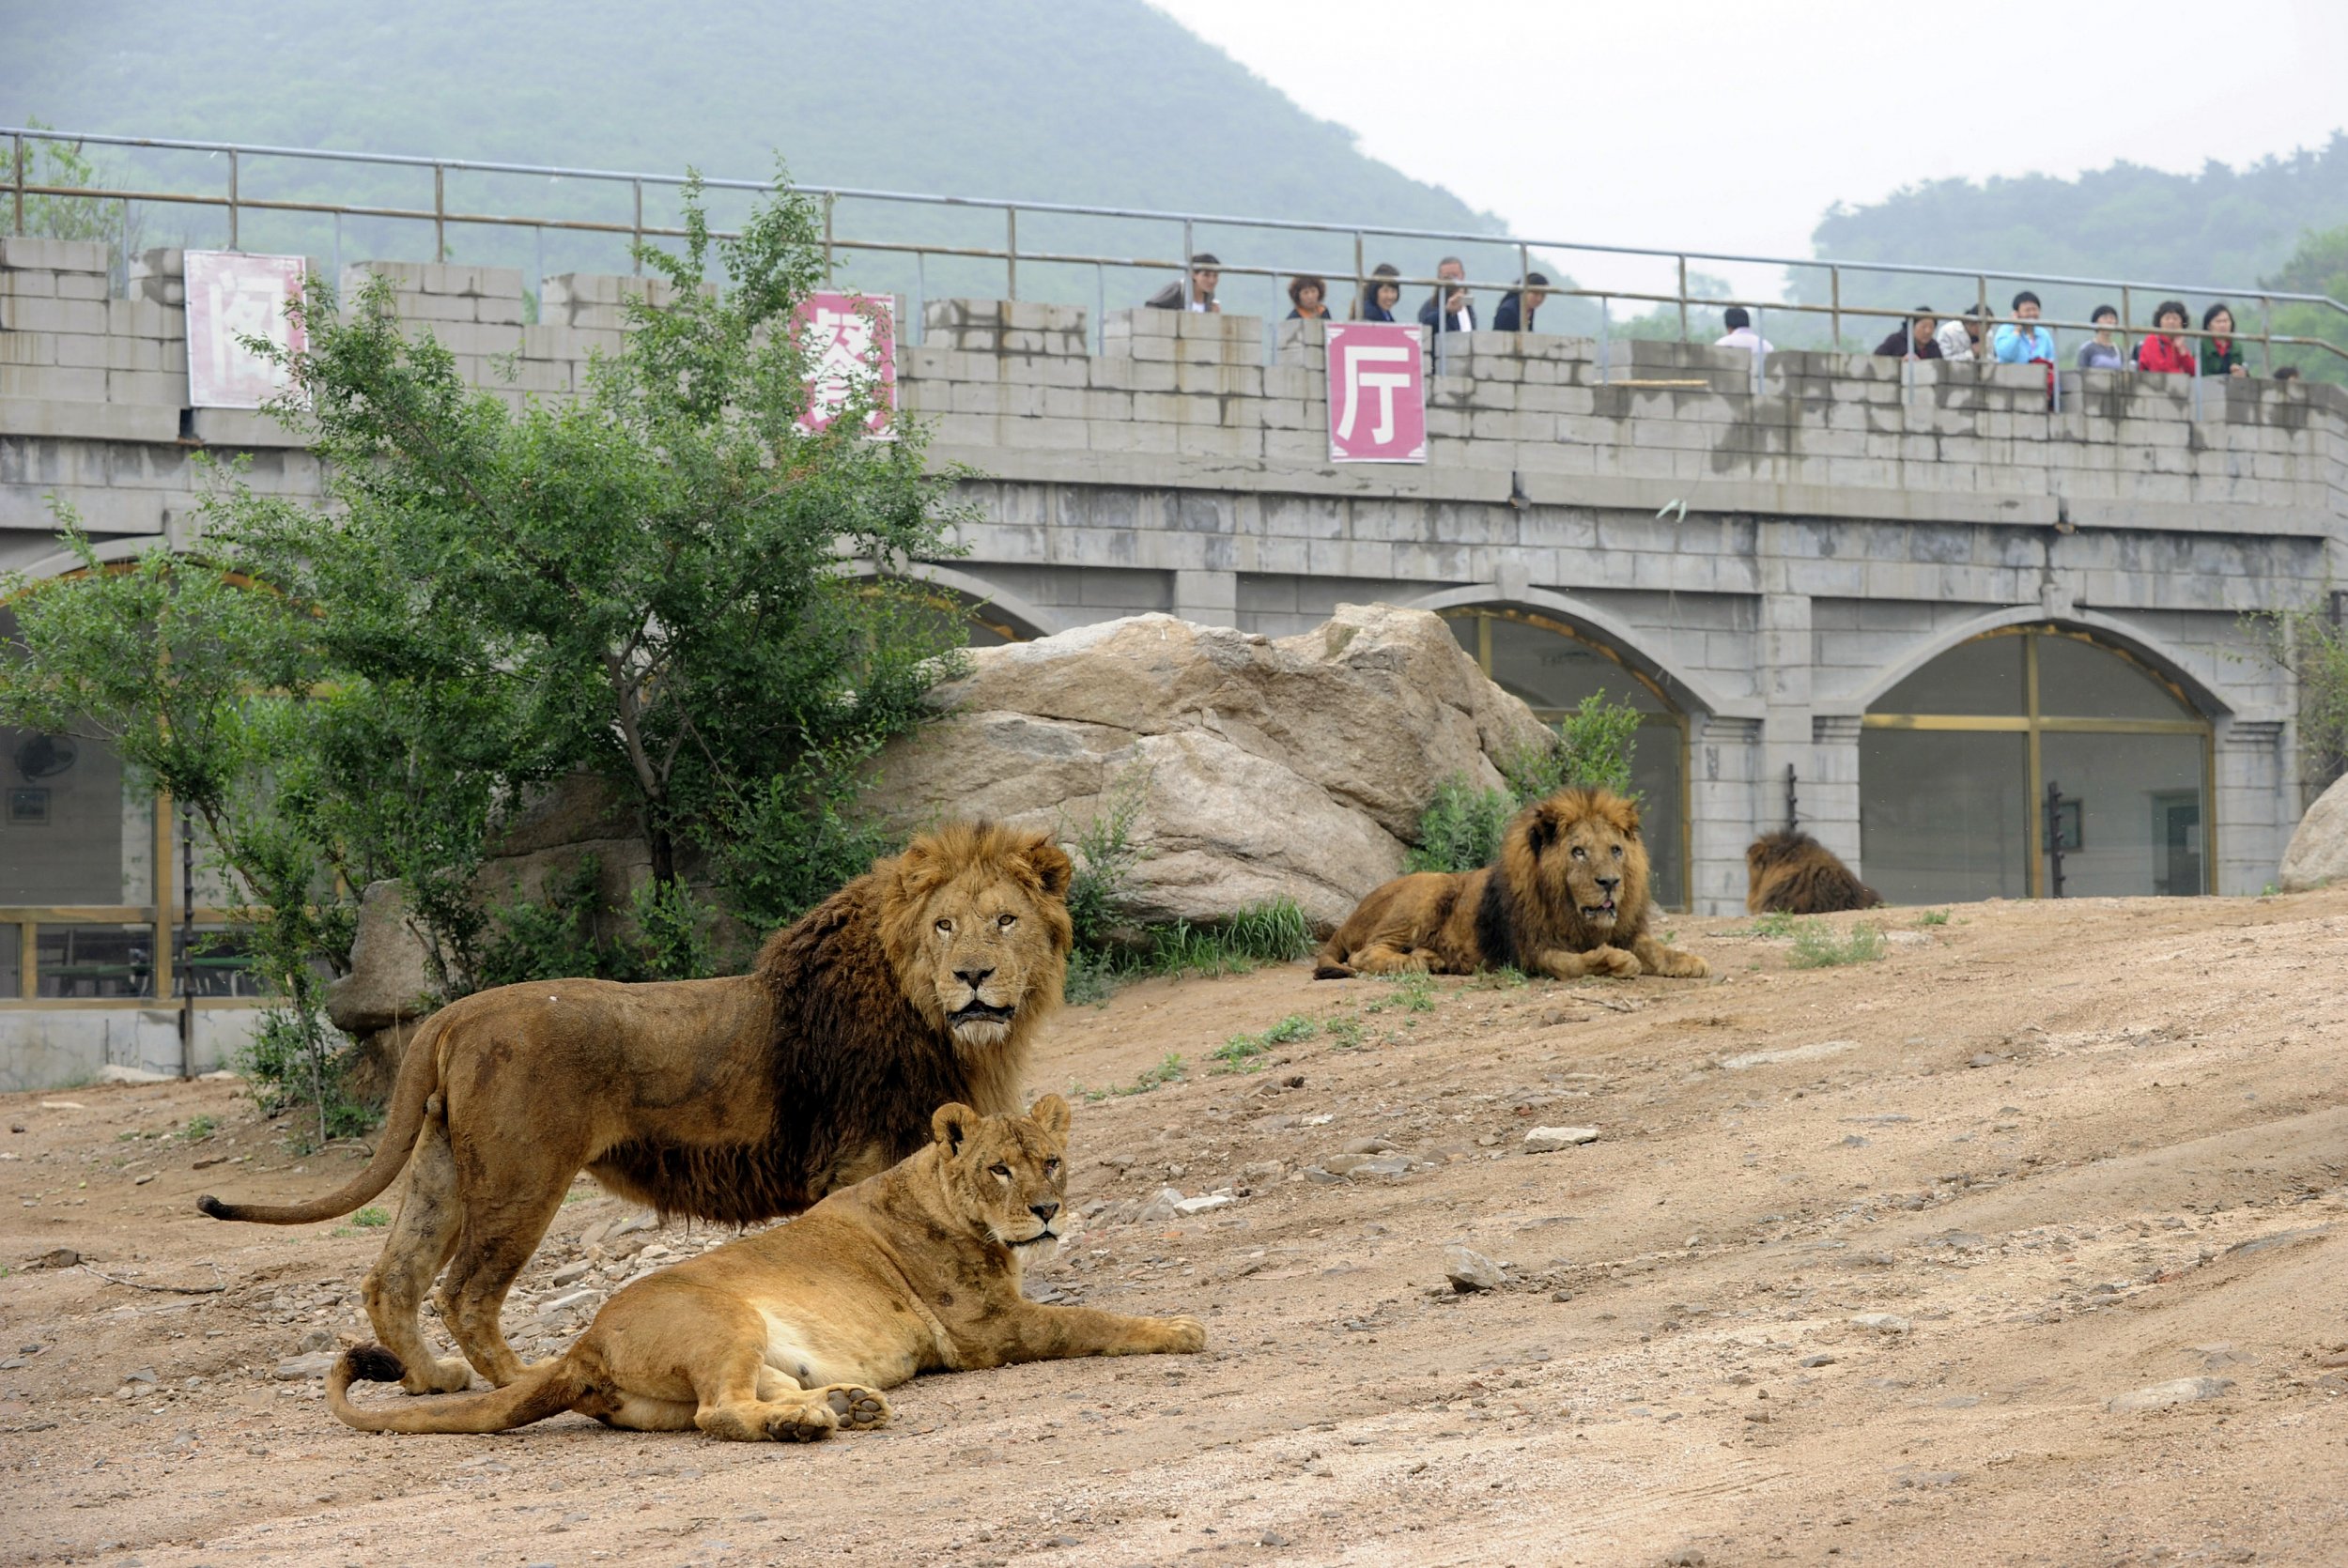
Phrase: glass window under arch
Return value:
(2034, 761)
(1553, 666)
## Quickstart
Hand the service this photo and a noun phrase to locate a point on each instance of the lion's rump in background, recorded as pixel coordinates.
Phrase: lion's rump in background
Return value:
(1792, 873)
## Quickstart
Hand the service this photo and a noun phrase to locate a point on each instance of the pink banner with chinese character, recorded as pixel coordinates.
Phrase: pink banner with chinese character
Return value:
(231, 296)
(1377, 393)
(851, 343)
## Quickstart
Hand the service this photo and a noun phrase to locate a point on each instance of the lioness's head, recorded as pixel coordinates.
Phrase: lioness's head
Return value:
(975, 920)
(1006, 1174)
(1580, 851)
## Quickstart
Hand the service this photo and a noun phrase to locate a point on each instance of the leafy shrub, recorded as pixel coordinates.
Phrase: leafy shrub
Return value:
(1275, 931)
(1462, 828)
(296, 1061)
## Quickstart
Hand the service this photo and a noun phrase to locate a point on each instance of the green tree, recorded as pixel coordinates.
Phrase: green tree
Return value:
(2318, 266)
(646, 582)
(115, 223)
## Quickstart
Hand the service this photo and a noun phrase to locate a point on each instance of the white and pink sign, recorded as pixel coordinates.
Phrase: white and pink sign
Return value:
(852, 344)
(1377, 393)
(230, 297)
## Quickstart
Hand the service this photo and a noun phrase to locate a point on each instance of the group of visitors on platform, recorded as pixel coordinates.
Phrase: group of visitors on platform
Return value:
(2022, 341)
(1446, 310)
(1923, 336)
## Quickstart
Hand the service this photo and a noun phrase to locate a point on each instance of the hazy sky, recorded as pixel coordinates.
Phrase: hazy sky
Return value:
(1698, 122)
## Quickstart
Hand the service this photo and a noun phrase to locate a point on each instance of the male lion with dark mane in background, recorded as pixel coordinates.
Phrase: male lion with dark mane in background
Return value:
(790, 1334)
(1792, 873)
(1567, 897)
(919, 984)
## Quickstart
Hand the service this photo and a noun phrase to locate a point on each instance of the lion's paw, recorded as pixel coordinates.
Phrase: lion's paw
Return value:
(802, 1424)
(1684, 966)
(1183, 1335)
(445, 1374)
(856, 1407)
(1615, 962)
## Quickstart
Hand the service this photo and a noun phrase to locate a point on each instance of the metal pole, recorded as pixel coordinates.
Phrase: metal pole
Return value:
(1793, 814)
(1834, 298)
(2127, 318)
(1760, 350)
(1605, 352)
(19, 161)
(2266, 335)
(921, 296)
(1100, 308)
(187, 941)
(339, 249)
(1011, 252)
(1683, 304)
(539, 267)
(1361, 277)
(232, 199)
(2054, 840)
(1189, 285)
(2195, 346)
(636, 247)
(828, 198)
(440, 213)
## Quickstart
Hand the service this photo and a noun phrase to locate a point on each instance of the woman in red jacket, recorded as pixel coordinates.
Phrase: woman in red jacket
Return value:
(2161, 352)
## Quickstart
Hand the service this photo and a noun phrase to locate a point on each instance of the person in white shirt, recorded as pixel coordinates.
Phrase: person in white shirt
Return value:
(1961, 335)
(1740, 334)
(1449, 310)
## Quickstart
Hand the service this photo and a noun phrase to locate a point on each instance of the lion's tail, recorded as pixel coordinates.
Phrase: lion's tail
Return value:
(419, 1076)
(546, 1389)
(1329, 964)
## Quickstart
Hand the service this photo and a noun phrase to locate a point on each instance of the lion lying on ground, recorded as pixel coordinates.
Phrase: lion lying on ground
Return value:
(791, 1333)
(1567, 897)
(1793, 874)
(733, 1100)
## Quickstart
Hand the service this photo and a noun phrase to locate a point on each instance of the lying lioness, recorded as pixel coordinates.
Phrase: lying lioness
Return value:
(790, 1333)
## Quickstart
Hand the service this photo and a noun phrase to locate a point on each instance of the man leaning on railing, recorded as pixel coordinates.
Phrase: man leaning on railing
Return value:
(1205, 272)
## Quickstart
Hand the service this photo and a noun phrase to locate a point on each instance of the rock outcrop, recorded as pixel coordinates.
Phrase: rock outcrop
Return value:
(2319, 849)
(1264, 767)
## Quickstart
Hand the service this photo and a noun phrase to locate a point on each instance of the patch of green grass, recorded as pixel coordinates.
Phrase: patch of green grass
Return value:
(1168, 1071)
(1092, 978)
(1238, 1052)
(1932, 918)
(1776, 922)
(1507, 977)
(1817, 946)
(373, 1216)
(198, 1129)
(1344, 1033)
(1273, 932)
(1411, 992)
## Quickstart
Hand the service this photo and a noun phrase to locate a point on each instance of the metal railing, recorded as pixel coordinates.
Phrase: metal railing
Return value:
(236, 199)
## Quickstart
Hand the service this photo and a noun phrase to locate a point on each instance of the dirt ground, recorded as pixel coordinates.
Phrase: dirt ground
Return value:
(1855, 1262)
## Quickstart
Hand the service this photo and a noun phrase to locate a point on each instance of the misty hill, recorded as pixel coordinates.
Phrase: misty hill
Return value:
(1110, 103)
(2222, 227)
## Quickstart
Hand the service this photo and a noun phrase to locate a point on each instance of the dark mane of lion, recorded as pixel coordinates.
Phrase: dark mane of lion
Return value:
(1517, 916)
(1792, 873)
(854, 1064)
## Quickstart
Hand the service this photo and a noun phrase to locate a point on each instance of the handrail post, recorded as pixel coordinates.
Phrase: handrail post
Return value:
(440, 212)
(636, 247)
(2266, 336)
(829, 196)
(1605, 352)
(2128, 311)
(232, 198)
(1011, 253)
(19, 226)
(1834, 302)
(1361, 275)
(1760, 350)
(1190, 284)
(1683, 299)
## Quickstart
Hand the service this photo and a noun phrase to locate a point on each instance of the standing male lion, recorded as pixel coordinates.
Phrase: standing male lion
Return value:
(917, 985)
(1567, 897)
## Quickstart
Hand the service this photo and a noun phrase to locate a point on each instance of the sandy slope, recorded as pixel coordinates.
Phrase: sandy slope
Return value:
(2075, 1150)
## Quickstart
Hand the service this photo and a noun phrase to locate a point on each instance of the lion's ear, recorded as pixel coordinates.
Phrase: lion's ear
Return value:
(952, 1123)
(1541, 832)
(1052, 868)
(1052, 1115)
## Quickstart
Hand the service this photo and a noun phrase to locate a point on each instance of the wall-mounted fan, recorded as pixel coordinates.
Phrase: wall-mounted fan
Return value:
(45, 756)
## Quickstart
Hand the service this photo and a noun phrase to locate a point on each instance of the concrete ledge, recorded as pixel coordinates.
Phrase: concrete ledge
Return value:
(245, 427)
(100, 421)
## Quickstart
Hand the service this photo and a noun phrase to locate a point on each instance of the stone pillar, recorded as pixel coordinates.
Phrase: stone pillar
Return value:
(1830, 793)
(1722, 753)
(1209, 598)
(2255, 810)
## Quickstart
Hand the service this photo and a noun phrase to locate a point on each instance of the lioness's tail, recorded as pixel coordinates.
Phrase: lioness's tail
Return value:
(546, 1389)
(418, 1075)
(1329, 964)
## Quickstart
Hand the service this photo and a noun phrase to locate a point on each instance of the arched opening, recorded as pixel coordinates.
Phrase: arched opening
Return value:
(2036, 761)
(1553, 665)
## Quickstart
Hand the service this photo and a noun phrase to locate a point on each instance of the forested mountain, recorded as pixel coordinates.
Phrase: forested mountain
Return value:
(2222, 228)
(1108, 103)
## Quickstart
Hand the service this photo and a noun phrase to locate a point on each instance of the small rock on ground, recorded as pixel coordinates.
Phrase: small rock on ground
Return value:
(2184, 1391)
(1547, 1140)
(1469, 1270)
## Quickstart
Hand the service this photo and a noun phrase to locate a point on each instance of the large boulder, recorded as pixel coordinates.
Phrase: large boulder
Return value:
(2319, 849)
(1296, 766)
(391, 979)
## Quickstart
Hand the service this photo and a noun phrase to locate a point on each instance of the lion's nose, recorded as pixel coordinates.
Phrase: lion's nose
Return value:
(1610, 884)
(1043, 1211)
(972, 978)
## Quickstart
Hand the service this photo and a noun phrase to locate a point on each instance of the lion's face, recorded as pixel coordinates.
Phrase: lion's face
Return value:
(1006, 1174)
(976, 923)
(1590, 857)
